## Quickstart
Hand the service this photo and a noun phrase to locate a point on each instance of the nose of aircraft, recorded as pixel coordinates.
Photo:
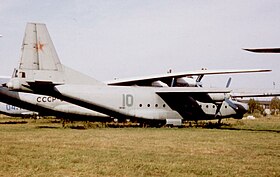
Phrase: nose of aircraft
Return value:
(242, 109)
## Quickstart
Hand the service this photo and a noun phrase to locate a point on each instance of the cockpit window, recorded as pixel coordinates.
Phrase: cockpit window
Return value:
(15, 73)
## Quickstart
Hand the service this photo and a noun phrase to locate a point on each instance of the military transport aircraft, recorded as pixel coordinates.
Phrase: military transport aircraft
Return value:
(41, 72)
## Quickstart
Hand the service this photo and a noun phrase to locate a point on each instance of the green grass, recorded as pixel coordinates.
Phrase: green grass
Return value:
(41, 148)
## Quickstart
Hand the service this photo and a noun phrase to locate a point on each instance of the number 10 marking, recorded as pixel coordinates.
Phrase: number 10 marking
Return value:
(127, 100)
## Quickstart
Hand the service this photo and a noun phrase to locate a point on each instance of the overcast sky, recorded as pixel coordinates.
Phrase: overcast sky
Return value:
(109, 39)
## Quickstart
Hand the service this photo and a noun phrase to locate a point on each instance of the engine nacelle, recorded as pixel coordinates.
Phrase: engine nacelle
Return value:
(159, 84)
(186, 82)
(218, 97)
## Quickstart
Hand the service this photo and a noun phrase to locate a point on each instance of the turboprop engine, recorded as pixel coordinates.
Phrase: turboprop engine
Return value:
(187, 82)
(159, 84)
(219, 97)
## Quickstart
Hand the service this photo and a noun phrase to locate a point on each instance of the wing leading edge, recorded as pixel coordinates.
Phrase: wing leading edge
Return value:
(168, 77)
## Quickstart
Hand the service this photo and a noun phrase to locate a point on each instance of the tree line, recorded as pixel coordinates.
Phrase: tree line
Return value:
(256, 107)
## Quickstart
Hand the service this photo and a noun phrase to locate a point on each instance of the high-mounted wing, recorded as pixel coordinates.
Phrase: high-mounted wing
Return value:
(170, 78)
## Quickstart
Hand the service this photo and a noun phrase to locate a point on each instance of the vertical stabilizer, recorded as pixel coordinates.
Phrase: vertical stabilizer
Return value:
(38, 52)
(39, 63)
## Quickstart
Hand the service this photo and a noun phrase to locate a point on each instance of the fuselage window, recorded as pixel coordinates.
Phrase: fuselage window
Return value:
(140, 105)
(206, 106)
(23, 74)
(225, 106)
(163, 105)
(148, 105)
(213, 106)
(156, 105)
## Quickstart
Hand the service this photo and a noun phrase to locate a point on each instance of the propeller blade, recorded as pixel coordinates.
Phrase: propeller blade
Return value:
(199, 78)
(199, 84)
(172, 82)
(228, 82)
(231, 104)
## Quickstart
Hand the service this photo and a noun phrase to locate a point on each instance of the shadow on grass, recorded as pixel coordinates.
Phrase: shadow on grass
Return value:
(78, 127)
(55, 127)
(14, 122)
(225, 126)
(249, 129)
(48, 127)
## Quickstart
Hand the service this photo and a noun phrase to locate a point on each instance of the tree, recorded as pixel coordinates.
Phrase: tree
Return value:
(275, 105)
(254, 107)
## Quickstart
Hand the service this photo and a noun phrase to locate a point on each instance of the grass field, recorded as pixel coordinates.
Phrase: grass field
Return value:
(41, 148)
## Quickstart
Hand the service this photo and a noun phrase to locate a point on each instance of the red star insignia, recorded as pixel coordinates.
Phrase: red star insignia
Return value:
(39, 46)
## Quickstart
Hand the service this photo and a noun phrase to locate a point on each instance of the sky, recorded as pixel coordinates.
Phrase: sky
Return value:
(109, 39)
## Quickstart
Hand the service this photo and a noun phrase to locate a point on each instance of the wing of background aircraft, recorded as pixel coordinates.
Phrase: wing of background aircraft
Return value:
(264, 50)
(177, 79)
(254, 94)
(14, 111)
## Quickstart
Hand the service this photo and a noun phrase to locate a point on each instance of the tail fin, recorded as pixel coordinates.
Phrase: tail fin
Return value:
(38, 52)
(40, 63)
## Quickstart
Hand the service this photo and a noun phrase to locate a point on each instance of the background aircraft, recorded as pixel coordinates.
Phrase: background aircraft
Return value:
(40, 71)
(11, 110)
(264, 50)
(14, 111)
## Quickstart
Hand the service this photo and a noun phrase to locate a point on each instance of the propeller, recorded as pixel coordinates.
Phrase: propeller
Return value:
(198, 80)
(172, 82)
(227, 100)
(228, 82)
(231, 104)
